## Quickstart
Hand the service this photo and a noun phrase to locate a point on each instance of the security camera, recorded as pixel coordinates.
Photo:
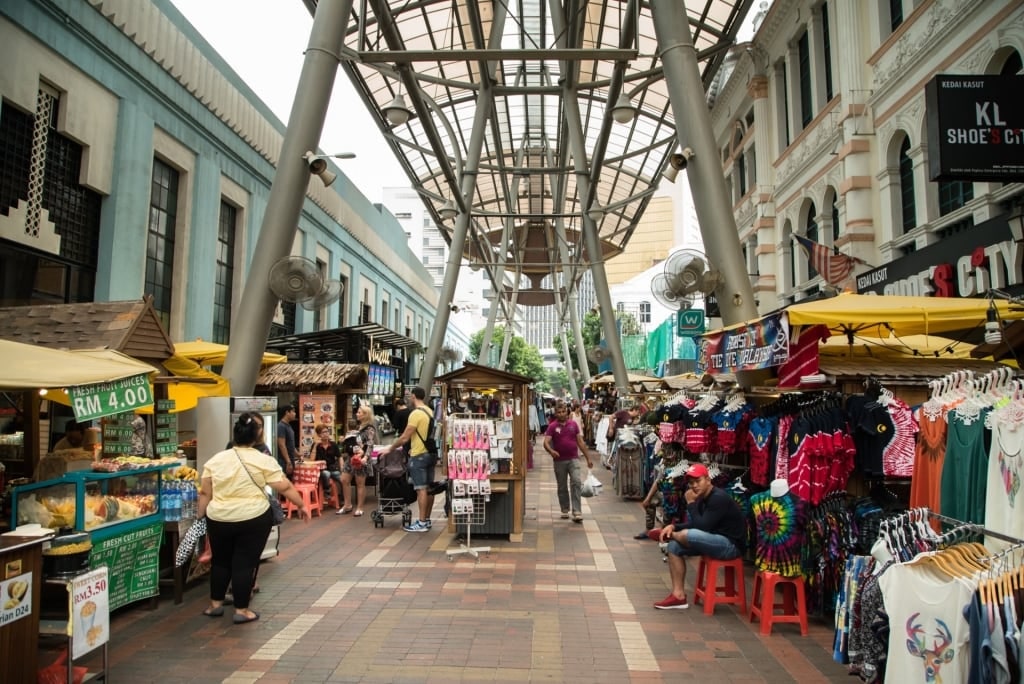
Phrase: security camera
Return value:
(318, 167)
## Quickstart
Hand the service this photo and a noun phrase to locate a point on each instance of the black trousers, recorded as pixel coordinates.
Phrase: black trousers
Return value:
(236, 547)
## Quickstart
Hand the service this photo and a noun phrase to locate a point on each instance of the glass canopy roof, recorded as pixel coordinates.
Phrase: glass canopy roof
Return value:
(447, 58)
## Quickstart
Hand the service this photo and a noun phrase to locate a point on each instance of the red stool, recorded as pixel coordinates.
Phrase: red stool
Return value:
(310, 494)
(732, 590)
(763, 606)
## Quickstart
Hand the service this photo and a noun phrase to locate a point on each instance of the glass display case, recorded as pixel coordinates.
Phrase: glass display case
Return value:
(89, 501)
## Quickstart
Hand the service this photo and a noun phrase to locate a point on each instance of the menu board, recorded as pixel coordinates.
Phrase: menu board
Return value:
(133, 561)
(90, 612)
(316, 409)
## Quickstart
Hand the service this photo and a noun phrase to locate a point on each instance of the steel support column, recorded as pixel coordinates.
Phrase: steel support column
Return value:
(287, 193)
(704, 170)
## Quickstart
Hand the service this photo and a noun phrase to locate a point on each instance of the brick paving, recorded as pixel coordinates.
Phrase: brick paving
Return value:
(348, 602)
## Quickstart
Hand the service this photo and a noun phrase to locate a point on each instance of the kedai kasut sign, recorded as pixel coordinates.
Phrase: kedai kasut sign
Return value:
(975, 128)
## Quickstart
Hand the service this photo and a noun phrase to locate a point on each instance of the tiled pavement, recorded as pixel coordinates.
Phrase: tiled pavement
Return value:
(347, 602)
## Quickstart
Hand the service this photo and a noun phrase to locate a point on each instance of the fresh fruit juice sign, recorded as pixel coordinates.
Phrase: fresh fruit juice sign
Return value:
(107, 398)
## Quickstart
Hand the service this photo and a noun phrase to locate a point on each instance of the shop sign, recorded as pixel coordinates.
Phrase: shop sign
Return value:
(90, 612)
(975, 128)
(689, 322)
(108, 398)
(133, 562)
(965, 264)
(15, 598)
(761, 344)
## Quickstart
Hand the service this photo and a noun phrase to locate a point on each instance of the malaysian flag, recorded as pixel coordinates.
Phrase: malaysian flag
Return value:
(833, 266)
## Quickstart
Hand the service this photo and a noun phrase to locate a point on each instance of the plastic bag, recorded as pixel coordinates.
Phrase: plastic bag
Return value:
(589, 488)
(57, 672)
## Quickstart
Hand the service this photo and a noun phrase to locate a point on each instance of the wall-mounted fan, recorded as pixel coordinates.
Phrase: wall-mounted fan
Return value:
(329, 293)
(295, 279)
(686, 274)
(598, 355)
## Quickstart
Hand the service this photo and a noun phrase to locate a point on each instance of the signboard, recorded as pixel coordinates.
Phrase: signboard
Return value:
(90, 402)
(133, 561)
(15, 598)
(90, 612)
(317, 409)
(965, 264)
(975, 128)
(689, 322)
(761, 344)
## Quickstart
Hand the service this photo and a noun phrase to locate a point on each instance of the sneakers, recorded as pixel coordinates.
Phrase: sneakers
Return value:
(418, 526)
(577, 517)
(565, 515)
(670, 602)
(428, 523)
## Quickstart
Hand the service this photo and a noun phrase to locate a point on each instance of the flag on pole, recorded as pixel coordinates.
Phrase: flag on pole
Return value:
(833, 266)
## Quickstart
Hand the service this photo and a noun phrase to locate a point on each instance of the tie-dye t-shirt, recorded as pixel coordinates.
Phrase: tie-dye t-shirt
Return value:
(779, 525)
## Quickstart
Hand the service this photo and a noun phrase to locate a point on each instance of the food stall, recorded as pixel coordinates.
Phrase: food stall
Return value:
(484, 450)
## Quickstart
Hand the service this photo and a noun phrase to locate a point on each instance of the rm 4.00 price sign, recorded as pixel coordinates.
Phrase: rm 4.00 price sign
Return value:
(108, 398)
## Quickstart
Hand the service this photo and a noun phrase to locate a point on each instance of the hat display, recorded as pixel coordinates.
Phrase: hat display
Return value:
(697, 470)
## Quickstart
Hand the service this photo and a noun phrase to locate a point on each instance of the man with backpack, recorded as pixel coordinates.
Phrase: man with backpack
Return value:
(419, 435)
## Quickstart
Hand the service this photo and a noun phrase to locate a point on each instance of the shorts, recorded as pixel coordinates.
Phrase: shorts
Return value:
(421, 470)
(703, 543)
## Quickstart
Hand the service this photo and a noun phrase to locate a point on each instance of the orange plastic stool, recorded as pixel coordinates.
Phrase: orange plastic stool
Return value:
(310, 494)
(732, 590)
(793, 606)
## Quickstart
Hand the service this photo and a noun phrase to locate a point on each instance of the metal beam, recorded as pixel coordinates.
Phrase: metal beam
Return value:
(287, 192)
(500, 55)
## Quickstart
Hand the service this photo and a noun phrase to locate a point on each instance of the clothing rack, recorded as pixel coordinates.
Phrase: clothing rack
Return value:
(974, 527)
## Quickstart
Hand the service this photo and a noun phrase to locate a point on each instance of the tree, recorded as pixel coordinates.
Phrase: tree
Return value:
(523, 359)
(592, 334)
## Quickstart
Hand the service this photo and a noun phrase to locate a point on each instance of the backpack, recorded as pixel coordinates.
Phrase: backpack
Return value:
(429, 442)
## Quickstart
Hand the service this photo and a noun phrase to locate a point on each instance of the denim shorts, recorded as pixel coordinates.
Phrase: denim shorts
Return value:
(703, 543)
(421, 470)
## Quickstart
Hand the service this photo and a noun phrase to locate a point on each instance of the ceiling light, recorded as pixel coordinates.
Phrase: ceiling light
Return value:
(448, 211)
(397, 112)
(595, 212)
(1016, 221)
(993, 333)
(623, 111)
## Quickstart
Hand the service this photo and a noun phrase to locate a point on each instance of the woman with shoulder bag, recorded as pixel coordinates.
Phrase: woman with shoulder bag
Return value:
(238, 516)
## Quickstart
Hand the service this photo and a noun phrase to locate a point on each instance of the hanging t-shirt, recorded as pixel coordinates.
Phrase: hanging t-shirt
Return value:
(898, 454)
(965, 468)
(759, 444)
(1004, 501)
(872, 430)
(803, 356)
(929, 634)
(779, 527)
(929, 455)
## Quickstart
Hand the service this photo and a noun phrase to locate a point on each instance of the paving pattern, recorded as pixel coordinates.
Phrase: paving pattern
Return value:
(347, 602)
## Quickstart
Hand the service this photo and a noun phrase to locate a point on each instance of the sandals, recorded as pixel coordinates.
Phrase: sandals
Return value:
(214, 612)
(240, 619)
(357, 514)
(343, 511)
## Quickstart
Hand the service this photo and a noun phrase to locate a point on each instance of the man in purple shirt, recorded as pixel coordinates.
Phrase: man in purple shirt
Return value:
(564, 442)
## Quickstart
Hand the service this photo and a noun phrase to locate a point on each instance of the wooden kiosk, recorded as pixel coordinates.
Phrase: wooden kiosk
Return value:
(501, 397)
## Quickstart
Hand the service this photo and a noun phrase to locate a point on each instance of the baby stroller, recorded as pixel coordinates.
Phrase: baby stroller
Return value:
(394, 490)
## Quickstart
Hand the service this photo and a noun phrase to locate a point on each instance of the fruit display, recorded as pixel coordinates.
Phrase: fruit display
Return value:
(183, 473)
(101, 510)
(121, 463)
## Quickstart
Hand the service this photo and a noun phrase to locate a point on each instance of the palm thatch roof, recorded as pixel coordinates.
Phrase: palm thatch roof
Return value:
(298, 377)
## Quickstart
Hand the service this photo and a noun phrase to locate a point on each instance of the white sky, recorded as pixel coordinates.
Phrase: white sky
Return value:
(263, 41)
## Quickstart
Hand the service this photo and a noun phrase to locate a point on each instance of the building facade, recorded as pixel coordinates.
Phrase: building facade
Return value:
(822, 122)
(133, 161)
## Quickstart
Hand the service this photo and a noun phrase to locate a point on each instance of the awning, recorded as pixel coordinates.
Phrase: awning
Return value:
(894, 347)
(213, 354)
(337, 345)
(881, 315)
(28, 366)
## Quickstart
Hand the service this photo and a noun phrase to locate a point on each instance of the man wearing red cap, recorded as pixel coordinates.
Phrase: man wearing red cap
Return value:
(714, 527)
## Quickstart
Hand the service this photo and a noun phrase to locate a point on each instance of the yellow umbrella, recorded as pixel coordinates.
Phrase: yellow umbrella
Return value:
(213, 354)
(928, 346)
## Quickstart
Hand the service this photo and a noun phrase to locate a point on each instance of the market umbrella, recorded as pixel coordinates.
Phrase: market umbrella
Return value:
(29, 366)
(926, 346)
(900, 315)
(213, 354)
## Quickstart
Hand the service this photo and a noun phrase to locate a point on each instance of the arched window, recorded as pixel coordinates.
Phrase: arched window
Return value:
(908, 207)
(812, 234)
(835, 219)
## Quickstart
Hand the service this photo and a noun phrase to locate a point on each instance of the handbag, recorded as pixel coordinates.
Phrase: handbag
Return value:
(276, 510)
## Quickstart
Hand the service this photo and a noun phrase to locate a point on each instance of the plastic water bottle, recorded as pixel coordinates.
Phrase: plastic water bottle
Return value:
(175, 503)
(192, 499)
(165, 501)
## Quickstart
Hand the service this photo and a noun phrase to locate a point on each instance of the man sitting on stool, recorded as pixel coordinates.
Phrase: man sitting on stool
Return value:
(714, 527)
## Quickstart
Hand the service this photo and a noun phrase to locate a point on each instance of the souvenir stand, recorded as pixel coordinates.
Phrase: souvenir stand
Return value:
(484, 447)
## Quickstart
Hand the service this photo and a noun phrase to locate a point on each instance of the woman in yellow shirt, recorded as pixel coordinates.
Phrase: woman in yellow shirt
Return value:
(233, 499)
